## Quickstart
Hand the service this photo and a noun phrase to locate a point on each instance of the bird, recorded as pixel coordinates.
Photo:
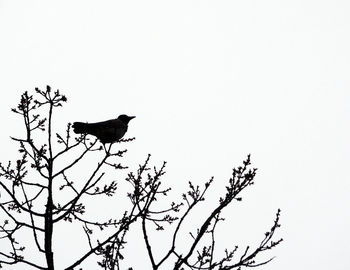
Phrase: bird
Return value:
(109, 131)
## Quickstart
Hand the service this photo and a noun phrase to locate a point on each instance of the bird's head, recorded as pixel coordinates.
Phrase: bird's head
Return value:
(125, 119)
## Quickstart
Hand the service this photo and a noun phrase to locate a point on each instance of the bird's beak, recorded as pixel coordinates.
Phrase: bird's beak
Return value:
(131, 117)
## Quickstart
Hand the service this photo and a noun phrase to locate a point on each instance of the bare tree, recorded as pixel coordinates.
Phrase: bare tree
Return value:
(34, 205)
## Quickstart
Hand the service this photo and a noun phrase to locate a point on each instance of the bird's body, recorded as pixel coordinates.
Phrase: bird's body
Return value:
(108, 131)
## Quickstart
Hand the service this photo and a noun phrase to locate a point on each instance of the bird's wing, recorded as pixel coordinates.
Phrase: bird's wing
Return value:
(108, 124)
(96, 128)
(108, 131)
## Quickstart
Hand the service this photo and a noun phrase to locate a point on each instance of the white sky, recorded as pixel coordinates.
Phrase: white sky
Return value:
(209, 82)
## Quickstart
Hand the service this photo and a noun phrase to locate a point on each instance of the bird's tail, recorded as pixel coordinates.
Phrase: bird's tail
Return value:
(79, 127)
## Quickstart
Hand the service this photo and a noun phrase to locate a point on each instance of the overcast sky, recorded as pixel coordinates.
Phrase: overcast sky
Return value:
(209, 82)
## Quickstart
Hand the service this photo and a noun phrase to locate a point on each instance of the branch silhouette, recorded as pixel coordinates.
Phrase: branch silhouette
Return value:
(35, 205)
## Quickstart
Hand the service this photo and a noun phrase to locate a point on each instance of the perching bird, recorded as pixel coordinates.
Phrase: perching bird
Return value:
(108, 131)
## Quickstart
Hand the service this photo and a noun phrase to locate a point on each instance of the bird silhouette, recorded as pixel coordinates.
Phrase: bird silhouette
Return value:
(109, 131)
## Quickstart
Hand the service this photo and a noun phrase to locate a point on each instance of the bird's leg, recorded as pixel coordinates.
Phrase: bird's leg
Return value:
(104, 146)
(108, 151)
(109, 148)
